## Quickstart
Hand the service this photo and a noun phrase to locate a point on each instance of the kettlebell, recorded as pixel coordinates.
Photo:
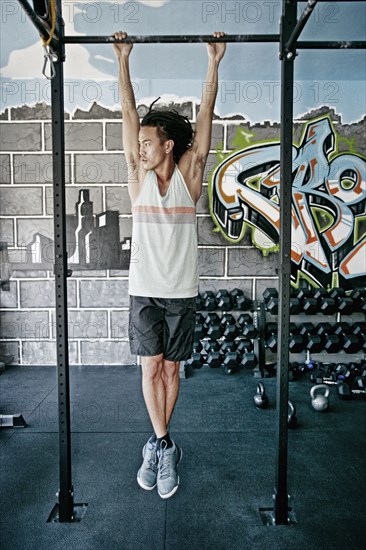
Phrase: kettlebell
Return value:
(261, 398)
(291, 415)
(319, 402)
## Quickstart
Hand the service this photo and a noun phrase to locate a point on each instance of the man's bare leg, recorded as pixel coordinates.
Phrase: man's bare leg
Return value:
(170, 375)
(160, 385)
(154, 392)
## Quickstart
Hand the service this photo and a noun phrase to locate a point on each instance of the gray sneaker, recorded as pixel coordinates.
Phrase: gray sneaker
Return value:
(168, 479)
(146, 476)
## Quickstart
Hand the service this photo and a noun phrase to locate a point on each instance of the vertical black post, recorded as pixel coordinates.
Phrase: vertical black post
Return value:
(287, 79)
(66, 505)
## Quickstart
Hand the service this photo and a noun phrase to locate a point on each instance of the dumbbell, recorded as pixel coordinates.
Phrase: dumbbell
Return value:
(244, 345)
(359, 386)
(270, 297)
(297, 341)
(273, 303)
(200, 326)
(199, 331)
(323, 372)
(248, 359)
(351, 343)
(309, 304)
(346, 391)
(214, 359)
(359, 328)
(244, 319)
(271, 336)
(344, 303)
(200, 318)
(243, 355)
(196, 361)
(295, 370)
(214, 331)
(231, 362)
(247, 328)
(326, 304)
(227, 319)
(316, 374)
(348, 372)
(212, 348)
(201, 323)
(223, 300)
(295, 305)
(323, 328)
(208, 300)
(358, 296)
(229, 332)
(331, 342)
(314, 342)
(239, 300)
(198, 346)
(235, 293)
(227, 346)
(213, 325)
(211, 318)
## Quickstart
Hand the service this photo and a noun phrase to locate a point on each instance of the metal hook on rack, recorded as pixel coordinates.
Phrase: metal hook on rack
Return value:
(50, 57)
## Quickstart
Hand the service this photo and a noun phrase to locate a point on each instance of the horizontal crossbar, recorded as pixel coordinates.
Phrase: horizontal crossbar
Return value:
(331, 44)
(172, 39)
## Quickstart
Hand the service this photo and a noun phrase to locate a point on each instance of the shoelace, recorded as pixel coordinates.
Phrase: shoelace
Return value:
(152, 461)
(164, 464)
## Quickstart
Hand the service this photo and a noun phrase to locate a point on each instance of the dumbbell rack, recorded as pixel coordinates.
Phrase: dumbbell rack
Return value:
(318, 332)
(226, 332)
(326, 328)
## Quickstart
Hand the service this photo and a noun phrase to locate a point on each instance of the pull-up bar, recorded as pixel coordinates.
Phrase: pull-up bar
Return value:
(187, 38)
(43, 29)
(171, 39)
(330, 44)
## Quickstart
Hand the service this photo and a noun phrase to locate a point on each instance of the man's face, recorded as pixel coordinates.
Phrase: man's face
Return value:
(152, 151)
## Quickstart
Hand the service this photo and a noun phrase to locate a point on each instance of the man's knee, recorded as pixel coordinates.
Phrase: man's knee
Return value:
(170, 370)
(152, 367)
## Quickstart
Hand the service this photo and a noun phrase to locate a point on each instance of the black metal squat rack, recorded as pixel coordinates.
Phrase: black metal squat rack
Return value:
(290, 30)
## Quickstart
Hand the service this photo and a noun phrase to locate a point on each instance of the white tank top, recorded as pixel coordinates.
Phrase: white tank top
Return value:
(164, 256)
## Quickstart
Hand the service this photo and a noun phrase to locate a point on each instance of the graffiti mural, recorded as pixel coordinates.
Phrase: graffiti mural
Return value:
(328, 244)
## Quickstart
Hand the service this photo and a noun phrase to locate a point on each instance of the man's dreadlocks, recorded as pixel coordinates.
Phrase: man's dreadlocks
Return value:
(171, 125)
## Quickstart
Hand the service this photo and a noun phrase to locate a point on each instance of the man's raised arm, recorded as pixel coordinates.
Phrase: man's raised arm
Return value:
(130, 118)
(193, 162)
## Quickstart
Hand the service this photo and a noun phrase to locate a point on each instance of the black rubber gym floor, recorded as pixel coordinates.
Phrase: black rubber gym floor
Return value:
(227, 472)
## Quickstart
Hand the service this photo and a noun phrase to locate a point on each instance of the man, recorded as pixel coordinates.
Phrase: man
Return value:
(165, 163)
